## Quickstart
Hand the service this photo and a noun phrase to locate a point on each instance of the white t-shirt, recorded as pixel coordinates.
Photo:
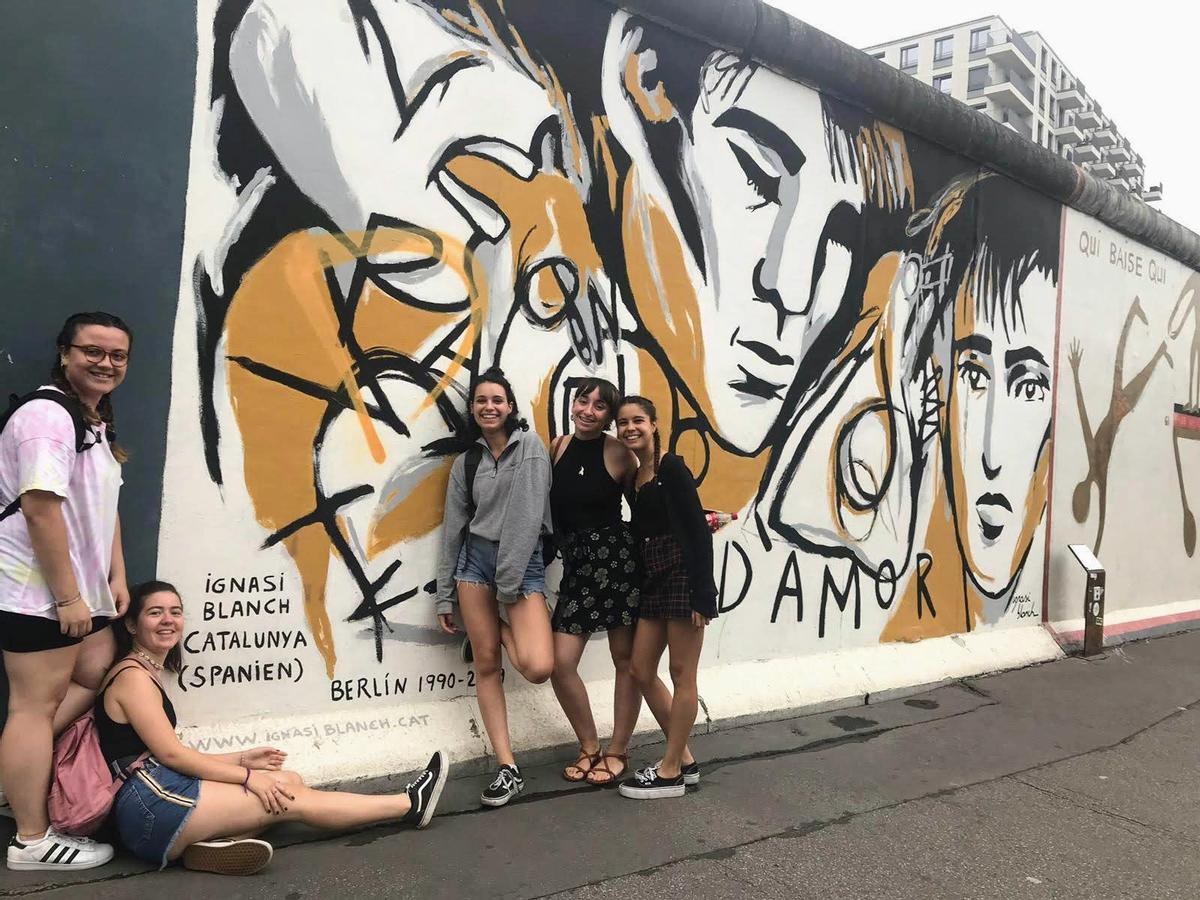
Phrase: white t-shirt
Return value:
(37, 453)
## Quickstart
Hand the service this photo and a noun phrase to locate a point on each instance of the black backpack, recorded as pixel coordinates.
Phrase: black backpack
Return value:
(83, 439)
(471, 460)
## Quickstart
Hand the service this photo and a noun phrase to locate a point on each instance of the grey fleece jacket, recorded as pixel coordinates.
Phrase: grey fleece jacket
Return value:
(512, 507)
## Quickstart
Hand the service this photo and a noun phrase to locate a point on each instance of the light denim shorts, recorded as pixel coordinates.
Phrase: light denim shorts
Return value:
(477, 565)
(151, 809)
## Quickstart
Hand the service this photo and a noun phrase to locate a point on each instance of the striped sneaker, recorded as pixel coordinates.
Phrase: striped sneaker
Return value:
(228, 856)
(425, 790)
(57, 851)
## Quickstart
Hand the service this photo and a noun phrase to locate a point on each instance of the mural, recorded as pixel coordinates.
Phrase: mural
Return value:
(853, 331)
(1126, 422)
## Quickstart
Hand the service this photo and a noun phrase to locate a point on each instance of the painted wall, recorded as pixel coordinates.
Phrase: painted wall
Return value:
(850, 334)
(1127, 425)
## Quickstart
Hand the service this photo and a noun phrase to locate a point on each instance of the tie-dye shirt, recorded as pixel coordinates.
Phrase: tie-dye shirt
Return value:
(37, 453)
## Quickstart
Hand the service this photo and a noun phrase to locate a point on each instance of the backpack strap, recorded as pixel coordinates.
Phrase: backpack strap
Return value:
(74, 410)
(471, 460)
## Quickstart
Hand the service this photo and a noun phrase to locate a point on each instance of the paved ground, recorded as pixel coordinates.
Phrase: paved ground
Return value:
(1074, 779)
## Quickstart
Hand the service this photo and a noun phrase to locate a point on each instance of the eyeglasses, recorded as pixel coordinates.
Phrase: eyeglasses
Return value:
(94, 354)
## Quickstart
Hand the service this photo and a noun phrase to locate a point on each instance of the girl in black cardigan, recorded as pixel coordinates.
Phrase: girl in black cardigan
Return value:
(679, 596)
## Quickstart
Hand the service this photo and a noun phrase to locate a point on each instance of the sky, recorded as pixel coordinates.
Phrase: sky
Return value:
(1139, 62)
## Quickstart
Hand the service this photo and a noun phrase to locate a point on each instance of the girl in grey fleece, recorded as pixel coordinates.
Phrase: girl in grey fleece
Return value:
(512, 508)
(496, 558)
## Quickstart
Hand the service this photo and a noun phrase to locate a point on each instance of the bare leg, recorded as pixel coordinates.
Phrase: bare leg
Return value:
(649, 642)
(572, 693)
(627, 696)
(225, 809)
(95, 659)
(480, 614)
(37, 684)
(685, 641)
(528, 639)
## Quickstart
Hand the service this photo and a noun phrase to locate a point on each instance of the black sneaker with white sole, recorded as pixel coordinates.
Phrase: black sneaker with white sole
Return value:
(649, 785)
(425, 790)
(691, 773)
(507, 784)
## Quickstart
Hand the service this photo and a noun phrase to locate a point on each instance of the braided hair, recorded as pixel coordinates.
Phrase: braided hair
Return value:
(649, 409)
(103, 414)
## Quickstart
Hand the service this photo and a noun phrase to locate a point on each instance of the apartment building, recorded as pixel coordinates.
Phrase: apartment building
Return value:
(1017, 79)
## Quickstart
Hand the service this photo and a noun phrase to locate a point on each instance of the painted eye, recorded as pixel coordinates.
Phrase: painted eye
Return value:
(764, 185)
(974, 376)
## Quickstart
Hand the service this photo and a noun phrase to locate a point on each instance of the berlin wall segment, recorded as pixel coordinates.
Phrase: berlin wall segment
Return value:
(854, 331)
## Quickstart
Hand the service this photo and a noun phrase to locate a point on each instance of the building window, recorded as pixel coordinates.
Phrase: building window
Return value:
(1043, 59)
(941, 84)
(980, 107)
(908, 57)
(880, 55)
(1042, 97)
(979, 40)
(943, 49)
(1053, 71)
(977, 79)
(1039, 132)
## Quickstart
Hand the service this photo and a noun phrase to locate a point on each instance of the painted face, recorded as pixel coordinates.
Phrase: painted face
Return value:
(635, 429)
(590, 413)
(763, 188)
(89, 363)
(999, 419)
(490, 407)
(383, 112)
(159, 626)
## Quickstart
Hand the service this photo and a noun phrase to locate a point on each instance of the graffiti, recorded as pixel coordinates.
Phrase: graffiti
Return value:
(1099, 443)
(1187, 414)
(852, 331)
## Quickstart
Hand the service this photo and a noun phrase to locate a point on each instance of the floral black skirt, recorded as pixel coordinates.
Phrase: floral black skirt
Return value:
(599, 588)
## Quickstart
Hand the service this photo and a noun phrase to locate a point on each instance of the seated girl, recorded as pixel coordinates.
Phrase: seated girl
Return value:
(206, 807)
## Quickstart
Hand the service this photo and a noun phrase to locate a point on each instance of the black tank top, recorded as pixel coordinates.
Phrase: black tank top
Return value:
(583, 496)
(117, 740)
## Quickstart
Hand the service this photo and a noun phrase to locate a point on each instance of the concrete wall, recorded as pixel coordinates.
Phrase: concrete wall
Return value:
(1128, 418)
(851, 333)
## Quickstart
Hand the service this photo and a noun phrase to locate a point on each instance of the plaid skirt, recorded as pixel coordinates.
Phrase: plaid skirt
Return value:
(599, 588)
(666, 592)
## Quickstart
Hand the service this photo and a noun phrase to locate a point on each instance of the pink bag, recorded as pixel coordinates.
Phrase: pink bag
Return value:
(82, 787)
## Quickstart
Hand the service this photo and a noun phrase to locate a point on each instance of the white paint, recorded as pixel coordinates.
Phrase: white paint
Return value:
(342, 746)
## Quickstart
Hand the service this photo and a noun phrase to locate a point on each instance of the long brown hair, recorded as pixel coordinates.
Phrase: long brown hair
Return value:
(649, 409)
(58, 374)
(137, 601)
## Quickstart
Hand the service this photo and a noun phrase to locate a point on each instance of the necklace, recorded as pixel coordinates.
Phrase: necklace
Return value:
(146, 657)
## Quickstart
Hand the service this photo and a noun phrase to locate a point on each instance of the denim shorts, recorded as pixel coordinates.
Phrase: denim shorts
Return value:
(151, 809)
(477, 565)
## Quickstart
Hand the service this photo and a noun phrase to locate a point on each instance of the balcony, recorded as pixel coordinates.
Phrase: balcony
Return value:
(1104, 137)
(1014, 124)
(1011, 50)
(1070, 99)
(1134, 169)
(1102, 170)
(1088, 119)
(1085, 153)
(1067, 134)
(1015, 95)
(1119, 154)
(1152, 194)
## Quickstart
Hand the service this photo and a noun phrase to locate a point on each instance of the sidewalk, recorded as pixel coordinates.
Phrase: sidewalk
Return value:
(1072, 779)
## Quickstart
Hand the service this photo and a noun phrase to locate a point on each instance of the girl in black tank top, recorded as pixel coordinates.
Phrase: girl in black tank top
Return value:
(599, 587)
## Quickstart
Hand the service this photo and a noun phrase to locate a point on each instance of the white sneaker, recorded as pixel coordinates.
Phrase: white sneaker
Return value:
(57, 851)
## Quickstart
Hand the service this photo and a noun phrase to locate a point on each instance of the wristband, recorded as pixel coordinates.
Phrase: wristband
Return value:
(246, 783)
(63, 603)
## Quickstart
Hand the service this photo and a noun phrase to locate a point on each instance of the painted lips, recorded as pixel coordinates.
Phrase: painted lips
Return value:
(991, 520)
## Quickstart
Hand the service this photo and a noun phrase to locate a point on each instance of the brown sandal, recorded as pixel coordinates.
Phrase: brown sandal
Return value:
(592, 759)
(602, 766)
